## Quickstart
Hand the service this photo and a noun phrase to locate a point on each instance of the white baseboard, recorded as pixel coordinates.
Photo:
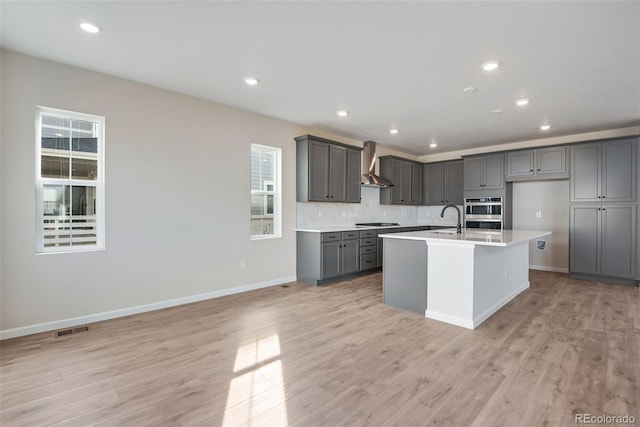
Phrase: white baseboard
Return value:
(498, 305)
(97, 317)
(545, 268)
(474, 323)
(447, 318)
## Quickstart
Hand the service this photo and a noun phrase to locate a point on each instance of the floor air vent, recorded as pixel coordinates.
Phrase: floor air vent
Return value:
(284, 286)
(71, 331)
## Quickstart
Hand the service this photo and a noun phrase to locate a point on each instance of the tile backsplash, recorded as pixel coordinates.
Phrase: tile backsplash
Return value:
(370, 210)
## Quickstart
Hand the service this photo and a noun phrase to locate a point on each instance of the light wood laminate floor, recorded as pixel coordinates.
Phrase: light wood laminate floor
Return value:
(335, 355)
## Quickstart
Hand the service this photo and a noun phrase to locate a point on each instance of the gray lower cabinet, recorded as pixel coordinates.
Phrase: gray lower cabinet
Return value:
(443, 183)
(325, 256)
(603, 241)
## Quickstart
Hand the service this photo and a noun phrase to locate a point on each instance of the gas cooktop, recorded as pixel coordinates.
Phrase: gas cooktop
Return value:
(376, 224)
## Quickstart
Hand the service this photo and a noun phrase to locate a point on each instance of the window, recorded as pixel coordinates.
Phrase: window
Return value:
(266, 204)
(70, 181)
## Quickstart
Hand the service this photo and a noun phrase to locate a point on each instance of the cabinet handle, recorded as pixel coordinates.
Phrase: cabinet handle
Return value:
(531, 170)
(604, 197)
(538, 170)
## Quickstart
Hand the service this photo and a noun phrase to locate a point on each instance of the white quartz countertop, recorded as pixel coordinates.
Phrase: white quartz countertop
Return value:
(470, 236)
(336, 228)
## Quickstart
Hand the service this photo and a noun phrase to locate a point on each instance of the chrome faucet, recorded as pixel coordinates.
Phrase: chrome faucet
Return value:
(459, 225)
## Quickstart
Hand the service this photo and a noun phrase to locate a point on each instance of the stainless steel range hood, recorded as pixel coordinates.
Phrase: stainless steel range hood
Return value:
(369, 158)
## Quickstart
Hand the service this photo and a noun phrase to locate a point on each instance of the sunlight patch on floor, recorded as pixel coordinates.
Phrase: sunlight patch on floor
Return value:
(250, 393)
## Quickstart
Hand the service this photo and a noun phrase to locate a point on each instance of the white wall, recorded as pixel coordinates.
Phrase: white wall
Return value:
(551, 199)
(177, 198)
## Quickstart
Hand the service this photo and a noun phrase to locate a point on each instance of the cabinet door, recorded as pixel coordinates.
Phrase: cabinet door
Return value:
(350, 256)
(551, 161)
(354, 162)
(584, 239)
(473, 179)
(494, 171)
(416, 184)
(331, 259)
(318, 171)
(520, 163)
(337, 173)
(434, 179)
(585, 173)
(618, 241)
(401, 179)
(453, 183)
(619, 171)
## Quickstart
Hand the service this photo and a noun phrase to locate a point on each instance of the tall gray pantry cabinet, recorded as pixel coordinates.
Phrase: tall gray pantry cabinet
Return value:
(602, 233)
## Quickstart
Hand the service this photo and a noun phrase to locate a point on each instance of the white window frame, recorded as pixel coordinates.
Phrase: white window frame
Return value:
(98, 183)
(277, 194)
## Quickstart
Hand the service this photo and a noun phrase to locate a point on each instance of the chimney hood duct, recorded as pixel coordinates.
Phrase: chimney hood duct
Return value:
(369, 158)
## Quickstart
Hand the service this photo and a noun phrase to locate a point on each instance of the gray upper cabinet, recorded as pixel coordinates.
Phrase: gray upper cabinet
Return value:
(354, 166)
(484, 172)
(327, 171)
(337, 173)
(416, 184)
(604, 172)
(406, 177)
(543, 163)
(443, 183)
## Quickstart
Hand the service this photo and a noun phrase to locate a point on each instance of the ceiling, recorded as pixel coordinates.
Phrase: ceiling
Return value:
(390, 64)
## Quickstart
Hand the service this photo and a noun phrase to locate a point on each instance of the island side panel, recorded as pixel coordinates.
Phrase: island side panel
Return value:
(501, 273)
(308, 259)
(450, 279)
(404, 274)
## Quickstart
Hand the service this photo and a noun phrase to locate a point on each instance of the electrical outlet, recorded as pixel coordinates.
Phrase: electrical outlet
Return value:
(243, 264)
(539, 214)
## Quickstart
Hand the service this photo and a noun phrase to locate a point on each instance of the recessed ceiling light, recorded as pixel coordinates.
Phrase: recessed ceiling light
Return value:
(251, 81)
(90, 27)
(433, 145)
(522, 102)
(491, 65)
(342, 113)
(545, 127)
(393, 131)
(498, 111)
(469, 89)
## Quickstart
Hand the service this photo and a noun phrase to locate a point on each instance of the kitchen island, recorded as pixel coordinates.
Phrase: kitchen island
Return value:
(461, 279)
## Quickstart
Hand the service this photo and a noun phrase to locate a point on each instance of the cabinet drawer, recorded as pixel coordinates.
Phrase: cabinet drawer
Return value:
(368, 250)
(369, 242)
(328, 237)
(367, 233)
(368, 261)
(348, 235)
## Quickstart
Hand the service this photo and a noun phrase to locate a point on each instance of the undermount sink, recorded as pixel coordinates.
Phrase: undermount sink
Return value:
(444, 232)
